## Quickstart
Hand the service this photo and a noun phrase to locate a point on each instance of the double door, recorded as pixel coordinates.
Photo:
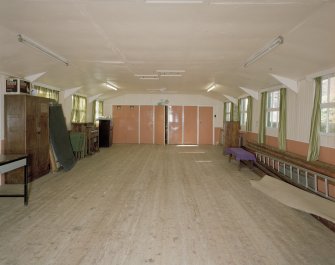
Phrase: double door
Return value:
(163, 124)
(189, 125)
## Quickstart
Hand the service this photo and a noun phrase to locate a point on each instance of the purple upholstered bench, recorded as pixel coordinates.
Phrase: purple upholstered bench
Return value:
(240, 154)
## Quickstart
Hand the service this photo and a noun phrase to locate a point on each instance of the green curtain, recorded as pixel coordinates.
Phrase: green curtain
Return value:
(282, 120)
(262, 120)
(314, 137)
(249, 115)
(97, 109)
(78, 113)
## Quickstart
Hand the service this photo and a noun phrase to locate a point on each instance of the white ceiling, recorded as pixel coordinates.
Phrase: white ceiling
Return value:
(117, 39)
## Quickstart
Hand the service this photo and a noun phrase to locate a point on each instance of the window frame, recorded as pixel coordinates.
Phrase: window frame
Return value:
(97, 114)
(81, 111)
(272, 109)
(326, 105)
(228, 110)
(244, 102)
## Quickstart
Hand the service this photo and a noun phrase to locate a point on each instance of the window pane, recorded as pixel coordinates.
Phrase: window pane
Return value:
(331, 120)
(324, 91)
(269, 101)
(276, 96)
(324, 120)
(332, 90)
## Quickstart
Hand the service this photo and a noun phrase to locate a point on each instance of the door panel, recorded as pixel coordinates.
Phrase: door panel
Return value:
(131, 121)
(146, 125)
(205, 125)
(159, 124)
(190, 124)
(175, 124)
(119, 126)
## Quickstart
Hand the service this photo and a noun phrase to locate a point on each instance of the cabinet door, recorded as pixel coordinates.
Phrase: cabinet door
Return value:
(190, 124)
(146, 124)
(175, 124)
(159, 124)
(119, 129)
(205, 125)
(42, 133)
(132, 121)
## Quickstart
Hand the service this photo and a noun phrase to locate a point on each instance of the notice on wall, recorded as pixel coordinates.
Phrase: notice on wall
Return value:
(11, 85)
(24, 87)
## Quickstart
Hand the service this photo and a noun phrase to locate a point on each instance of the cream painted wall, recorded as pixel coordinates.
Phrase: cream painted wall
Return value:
(177, 100)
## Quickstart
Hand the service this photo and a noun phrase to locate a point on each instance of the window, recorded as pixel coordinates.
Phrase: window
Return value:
(78, 109)
(98, 109)
(272, 109)
(243, 111)
(328, 104)
(46, 92)
(228, 110)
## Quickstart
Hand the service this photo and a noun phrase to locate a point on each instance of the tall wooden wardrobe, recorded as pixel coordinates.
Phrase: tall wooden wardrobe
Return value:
(231, 134)
(27, 132)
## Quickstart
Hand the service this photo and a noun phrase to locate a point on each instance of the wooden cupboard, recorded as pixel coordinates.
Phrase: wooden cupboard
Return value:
(27, 132)
(231, 134)
(105, 133)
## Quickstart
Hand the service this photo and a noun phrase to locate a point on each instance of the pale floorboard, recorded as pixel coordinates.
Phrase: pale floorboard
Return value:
(168, 205)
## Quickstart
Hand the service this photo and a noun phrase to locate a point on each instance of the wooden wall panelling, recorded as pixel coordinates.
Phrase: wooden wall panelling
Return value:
(146, 124)
(175, 124)
(159, 125)
(205, 125)
(190, 125)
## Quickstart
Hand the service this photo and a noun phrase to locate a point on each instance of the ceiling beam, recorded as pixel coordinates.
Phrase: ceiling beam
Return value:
(250, 92)
(32, 78)
(289, 83)
(70, 91)
(232, 99)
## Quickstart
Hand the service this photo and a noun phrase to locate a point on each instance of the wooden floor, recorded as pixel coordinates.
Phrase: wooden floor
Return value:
(145, 204)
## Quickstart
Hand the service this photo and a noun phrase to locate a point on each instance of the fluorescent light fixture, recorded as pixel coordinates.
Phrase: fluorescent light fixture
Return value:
(257, 2)
(266, 49)
(31, 43)
(147, 77)
(170, 73)
(211, 87)
(174, 1)
(111, 85)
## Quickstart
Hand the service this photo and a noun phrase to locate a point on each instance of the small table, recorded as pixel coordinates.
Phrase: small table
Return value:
(240, 154)
(11, 162)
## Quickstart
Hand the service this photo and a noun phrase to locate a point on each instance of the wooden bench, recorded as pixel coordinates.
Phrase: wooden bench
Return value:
(240, 154)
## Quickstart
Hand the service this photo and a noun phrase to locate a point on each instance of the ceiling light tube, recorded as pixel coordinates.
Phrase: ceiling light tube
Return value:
(174, 1)
(149, 77)
(211, 87)
(31, 43)
(111, 86)
(170, 71)
(269, 47)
